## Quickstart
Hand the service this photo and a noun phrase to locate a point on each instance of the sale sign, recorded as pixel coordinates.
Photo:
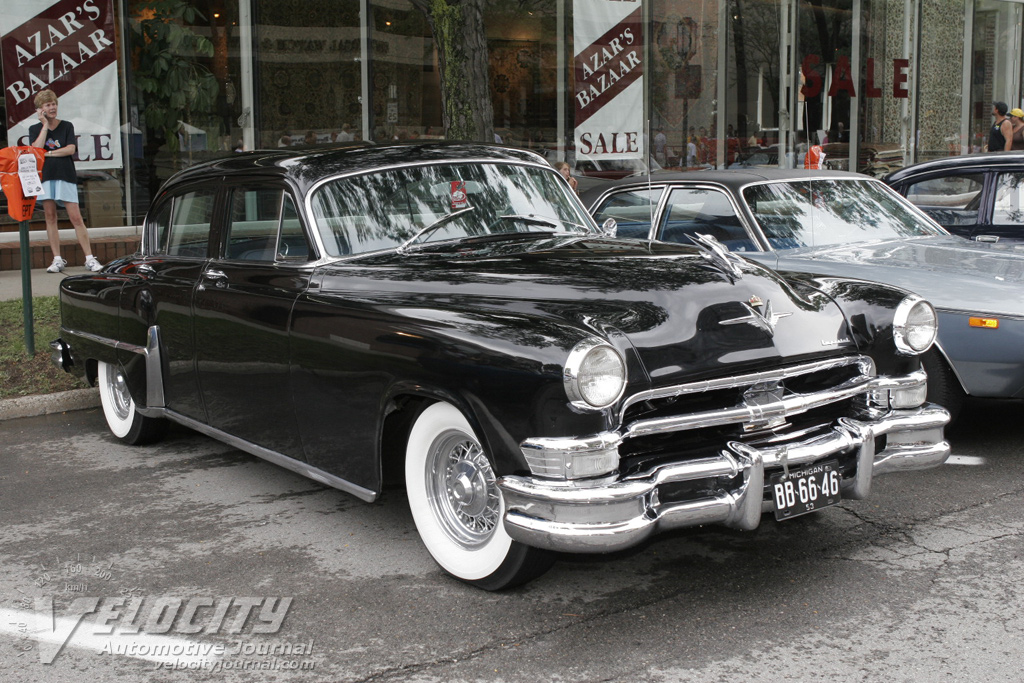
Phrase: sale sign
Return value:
(608, 78)
(66, 46)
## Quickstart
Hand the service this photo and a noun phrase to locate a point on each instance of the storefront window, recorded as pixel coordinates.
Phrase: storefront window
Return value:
(752, 99)
(995, 64)
(683, 83)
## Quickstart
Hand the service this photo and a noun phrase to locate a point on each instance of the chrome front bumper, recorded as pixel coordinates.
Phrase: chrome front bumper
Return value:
(560, 516)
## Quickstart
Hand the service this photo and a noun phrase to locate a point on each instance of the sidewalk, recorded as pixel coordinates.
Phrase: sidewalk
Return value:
(43, 283)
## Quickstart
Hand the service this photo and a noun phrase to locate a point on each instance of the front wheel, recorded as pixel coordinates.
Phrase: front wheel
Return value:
(124, 420)
(457, 506)
(943, 386)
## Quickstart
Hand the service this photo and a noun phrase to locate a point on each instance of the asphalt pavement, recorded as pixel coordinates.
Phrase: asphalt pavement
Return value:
(125, 564)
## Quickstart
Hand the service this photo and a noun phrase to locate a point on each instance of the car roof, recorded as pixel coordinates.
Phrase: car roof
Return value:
(305, 166)
(980, 162)
(734, 179)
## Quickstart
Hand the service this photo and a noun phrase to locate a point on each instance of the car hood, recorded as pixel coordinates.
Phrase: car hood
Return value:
(684, 317)
(951, 272)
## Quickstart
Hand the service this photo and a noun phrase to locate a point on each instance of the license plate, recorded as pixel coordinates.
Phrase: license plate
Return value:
(806, 490)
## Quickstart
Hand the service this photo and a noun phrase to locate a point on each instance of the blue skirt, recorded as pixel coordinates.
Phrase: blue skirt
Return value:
(60, 190)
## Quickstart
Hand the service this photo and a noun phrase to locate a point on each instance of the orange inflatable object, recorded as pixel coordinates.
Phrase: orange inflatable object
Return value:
(18, 206)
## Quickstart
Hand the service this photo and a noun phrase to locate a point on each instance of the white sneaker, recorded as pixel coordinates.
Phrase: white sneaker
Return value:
(92, 264)
(57, 265)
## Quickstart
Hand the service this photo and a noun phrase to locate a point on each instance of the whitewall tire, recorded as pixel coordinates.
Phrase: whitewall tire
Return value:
(123, 419)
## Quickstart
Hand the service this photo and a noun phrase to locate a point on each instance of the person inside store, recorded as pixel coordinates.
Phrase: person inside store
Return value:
(1017, 122)
(1000, 136)
(563, 168)
(60, 181)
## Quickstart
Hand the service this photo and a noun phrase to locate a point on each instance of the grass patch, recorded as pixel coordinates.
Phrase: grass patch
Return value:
(24, 375)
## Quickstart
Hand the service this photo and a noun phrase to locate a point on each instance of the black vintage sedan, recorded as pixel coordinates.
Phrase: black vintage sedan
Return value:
(978, 196)
(449, 316)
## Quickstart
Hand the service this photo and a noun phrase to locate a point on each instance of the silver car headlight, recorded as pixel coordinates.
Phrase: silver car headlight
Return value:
(914, 326)
(594, 375)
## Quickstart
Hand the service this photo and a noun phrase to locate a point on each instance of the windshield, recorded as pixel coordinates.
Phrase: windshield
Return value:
(424, 204)
(810, 213)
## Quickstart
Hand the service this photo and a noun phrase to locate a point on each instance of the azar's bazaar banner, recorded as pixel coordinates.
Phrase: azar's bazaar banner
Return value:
(609, 78)
(68, 47)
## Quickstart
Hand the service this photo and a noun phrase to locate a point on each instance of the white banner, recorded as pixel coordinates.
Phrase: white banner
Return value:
(67, 46)
(609, 83)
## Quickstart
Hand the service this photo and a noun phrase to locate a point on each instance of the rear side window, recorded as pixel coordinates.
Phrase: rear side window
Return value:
(1008, 208)
(188, 231)
(632, 210)
(949, 200)
(698, 211)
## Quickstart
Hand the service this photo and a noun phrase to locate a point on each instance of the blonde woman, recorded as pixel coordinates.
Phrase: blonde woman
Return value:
(563, 168)
(60, 182)
(1017, 121)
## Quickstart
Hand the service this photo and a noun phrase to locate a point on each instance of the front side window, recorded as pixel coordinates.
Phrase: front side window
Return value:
(699, 211)
(385, 210)
(263, 226)
(950, 200)
(1008, 208)
(633, 211)
(811, 213)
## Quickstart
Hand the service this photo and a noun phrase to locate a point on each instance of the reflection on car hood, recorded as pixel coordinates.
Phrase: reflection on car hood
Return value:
(686, 318)
(951, 272)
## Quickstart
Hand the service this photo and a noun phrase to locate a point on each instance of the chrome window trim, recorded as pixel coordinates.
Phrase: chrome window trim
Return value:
(748, 223)
(307, 200)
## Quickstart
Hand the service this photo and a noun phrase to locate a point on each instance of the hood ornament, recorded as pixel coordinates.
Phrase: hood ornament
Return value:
(715, 253)
(765, 321)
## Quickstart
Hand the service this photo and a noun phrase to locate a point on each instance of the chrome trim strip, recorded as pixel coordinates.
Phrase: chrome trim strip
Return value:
(153, 360)
(106, 341)
(1016, 317)
(789, 405)
(866, 363)
(274, 457)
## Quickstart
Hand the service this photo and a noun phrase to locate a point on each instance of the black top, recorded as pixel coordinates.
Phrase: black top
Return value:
(996, 139)
(57, 168)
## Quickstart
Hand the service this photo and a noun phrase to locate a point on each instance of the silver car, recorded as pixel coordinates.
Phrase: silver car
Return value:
(831, 223)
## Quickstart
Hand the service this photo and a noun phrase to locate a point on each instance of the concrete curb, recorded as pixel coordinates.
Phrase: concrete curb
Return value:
(47, 404)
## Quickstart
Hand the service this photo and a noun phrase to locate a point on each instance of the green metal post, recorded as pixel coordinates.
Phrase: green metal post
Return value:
(26, 290)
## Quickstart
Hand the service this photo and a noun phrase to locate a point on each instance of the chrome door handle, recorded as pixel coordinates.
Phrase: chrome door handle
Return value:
(145, 269)
(218, 277)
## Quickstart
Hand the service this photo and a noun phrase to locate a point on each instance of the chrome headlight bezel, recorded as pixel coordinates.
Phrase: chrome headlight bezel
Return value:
(907, 325)
(577, 366)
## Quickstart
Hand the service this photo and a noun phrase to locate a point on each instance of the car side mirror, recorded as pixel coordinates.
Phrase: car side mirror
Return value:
(610, 228)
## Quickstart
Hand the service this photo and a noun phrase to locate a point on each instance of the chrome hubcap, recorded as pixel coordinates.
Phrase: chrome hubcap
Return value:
(117, 390)
(463, 493)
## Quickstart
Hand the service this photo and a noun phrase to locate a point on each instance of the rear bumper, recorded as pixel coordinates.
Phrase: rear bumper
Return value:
(567, 518)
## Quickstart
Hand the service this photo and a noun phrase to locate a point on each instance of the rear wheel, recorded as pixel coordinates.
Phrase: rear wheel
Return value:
(457, 506)
(943, 386)
(124, 420)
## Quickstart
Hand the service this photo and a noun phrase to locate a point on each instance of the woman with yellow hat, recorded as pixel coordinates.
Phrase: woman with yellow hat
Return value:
(1017, 121)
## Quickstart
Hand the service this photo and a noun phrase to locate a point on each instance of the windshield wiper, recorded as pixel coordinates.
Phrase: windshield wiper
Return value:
(537, 220)
(403, 247)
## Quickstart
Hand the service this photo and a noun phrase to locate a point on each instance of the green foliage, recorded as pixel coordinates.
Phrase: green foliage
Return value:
(24, 375)
(171, 82)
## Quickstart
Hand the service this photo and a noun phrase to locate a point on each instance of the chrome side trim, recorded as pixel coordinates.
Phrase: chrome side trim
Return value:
(153, 359)
(274, 457)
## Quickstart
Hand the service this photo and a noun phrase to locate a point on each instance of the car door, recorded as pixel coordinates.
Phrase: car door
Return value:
(243, 303)
(159, 293)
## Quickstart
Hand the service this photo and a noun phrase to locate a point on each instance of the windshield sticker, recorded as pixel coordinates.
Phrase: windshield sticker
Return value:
(460, 200)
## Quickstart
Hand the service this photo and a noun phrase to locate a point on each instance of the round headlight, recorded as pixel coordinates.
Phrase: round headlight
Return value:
(914, 326)
(595, 374)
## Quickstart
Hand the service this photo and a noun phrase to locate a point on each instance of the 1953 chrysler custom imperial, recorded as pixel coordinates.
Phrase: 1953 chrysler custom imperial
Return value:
(450, 316)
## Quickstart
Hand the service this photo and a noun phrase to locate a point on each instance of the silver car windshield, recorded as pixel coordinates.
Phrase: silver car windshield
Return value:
(809, 213)
(442, 202)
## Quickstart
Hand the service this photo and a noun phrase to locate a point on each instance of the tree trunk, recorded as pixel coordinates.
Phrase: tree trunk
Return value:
(461, 44)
